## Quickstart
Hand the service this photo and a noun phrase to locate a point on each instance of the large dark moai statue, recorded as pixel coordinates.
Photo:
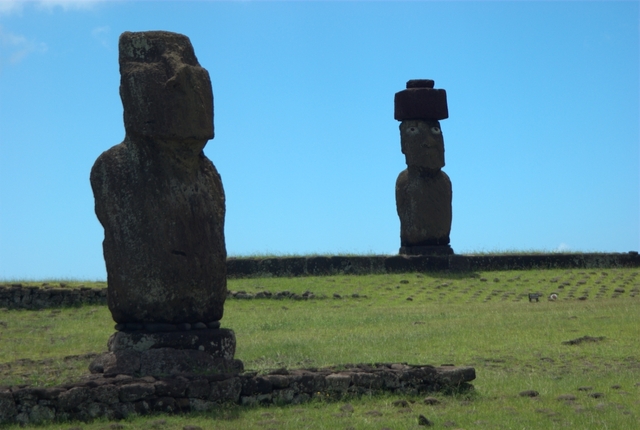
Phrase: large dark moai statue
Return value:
(162, 206)
(423, 190)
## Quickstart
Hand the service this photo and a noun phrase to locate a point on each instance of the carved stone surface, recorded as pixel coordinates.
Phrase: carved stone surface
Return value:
(221, 342)
(162, 361)
(420, 100)
(422, 144)
(423, 202)
(120, 396)
(423, 190)
(159, 199)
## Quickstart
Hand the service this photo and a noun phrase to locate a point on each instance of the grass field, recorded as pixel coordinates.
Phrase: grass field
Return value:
(480, 319)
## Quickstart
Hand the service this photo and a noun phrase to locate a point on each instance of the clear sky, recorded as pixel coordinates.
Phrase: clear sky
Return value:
(542, 140)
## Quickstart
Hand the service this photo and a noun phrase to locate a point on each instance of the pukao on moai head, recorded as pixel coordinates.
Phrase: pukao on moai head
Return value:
(423, 191)
(158, 197)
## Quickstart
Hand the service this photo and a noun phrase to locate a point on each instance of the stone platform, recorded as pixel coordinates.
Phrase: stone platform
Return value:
(120, 396)
(426, 250)
(144, 353)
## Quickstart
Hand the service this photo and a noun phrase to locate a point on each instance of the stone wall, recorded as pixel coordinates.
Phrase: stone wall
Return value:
(120, 396)
(18, 296)
(321, 265)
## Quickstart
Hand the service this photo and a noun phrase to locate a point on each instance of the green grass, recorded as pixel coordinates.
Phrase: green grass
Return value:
(482, 319)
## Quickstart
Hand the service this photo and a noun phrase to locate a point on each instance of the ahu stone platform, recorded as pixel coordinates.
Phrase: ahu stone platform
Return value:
(119, 396)
(18, 296)
(336, 265)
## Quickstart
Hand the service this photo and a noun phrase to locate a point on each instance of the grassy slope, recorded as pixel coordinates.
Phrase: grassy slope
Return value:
(483, 320)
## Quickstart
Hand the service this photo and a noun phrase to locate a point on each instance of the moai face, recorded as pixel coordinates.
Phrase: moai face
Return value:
(167, 95)
(422, 143)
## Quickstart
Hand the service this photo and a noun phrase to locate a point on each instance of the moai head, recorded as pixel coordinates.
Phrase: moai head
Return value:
(422, 143)
(165, 92)
(419, 107)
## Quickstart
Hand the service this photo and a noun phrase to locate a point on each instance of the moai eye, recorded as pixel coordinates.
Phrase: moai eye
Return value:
(413, 130)
(436, 130)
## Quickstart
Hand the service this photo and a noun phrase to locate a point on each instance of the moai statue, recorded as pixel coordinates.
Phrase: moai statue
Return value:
(162, 206)
(423, 191)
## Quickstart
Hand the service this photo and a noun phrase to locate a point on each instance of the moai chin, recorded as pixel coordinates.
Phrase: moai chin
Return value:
(423, 190)
(162, 206)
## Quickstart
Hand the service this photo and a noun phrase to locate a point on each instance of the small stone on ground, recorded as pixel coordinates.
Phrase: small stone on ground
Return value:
(423, 421)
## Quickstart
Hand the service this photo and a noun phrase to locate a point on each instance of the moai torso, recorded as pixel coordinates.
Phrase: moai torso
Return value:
(158, 197)
(423, 190)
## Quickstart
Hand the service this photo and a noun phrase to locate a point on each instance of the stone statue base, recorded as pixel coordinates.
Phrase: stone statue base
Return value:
(426, 250)
(145, 353)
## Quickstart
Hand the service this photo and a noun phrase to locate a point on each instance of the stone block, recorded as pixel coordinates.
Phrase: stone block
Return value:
(135, 392)
(218, 342)
(420, 101)
(319, 265)
(125, 362)
(338, 382)
(107, 394)
(278, 381)
(163, 404)
(256, 385)
(371, 381)
(41, 414)
(174, 387)
(227, 390)
(198, 388)
(70, 399)
(454, 376)
(170, 361)
(8, 409)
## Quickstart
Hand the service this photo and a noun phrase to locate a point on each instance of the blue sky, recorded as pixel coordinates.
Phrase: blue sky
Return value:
(542, 140)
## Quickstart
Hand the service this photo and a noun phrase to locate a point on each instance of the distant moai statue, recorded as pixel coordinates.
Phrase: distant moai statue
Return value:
(423, 190)
(162, 206)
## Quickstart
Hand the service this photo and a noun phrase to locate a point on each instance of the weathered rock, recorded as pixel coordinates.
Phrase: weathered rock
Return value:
(135, 391)
(8, 409)
(338, 382)
(199, 388)
(220, 342)
(423, 191)
(278, 381)
(422, 144)
(424, 421)
(420, 100)
(454, 376)
(529, 393)
(159, 199)
(423, 201)
(431, 401)
(121, 396)
(41, 414)
(107, 394)
(70, 399)
(162, 361)
(174, 387)
(227, 390)
(125, 362)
